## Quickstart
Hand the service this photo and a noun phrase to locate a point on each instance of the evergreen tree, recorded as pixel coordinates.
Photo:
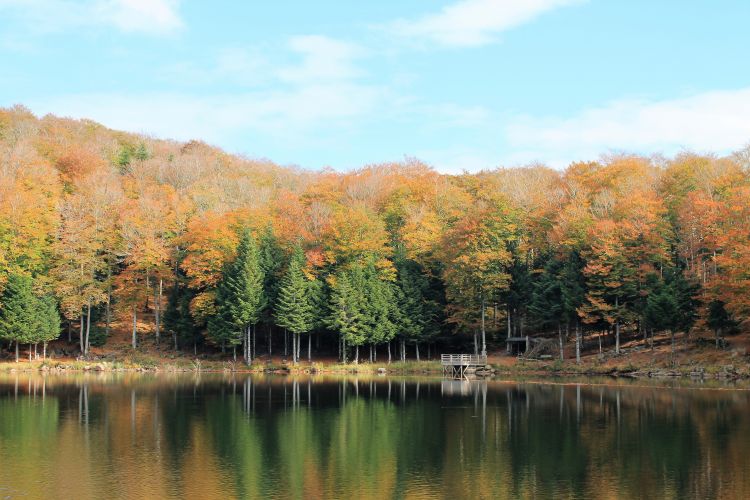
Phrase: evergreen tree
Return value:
(271, 262)
(177, 318)
(294, 308)
(318, 293)
(380, 308)
(520, 291)
(141, 153)
(345, 306)
(416, 311)
(18, 310)
(546, 304)
(719, 320)
(662, 312)
(240, 297)
(47, 324)
(685, 292)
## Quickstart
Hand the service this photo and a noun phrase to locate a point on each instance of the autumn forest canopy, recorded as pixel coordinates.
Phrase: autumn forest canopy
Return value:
(185, 245)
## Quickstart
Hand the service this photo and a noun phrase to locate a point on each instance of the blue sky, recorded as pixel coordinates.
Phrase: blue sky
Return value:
(460, 84)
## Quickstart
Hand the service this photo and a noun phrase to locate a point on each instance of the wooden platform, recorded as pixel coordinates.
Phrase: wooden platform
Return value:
(459, 365)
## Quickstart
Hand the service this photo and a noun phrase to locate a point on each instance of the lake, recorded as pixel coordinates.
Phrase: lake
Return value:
(123, 435)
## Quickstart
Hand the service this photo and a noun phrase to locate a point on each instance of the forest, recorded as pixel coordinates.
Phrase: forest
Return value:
(188, 247)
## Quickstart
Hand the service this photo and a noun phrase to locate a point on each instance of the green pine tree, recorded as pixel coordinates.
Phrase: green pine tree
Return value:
(416, 312)
(47, 324)
(719, 320)
(240, 297)
(345, 306)
(271, 262)
(662, 312)
(294, 307)
(177, 318)
(18, 310)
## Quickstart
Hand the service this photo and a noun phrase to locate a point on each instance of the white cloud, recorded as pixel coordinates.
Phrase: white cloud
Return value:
(156, 17)
(298, 104)
(245, 67)
(323, 59)
(712, 121)
(473, 22)
(186, 116)
(152, 16)
(319, 59)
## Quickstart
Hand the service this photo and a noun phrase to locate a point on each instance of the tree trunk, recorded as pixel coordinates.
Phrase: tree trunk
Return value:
(389, 352)
(285, 343)
(294, 348)
(234, 353)
(484, 336)
(17, 351)
(309, 347)
(560, 339)
(298, 346)
(246, 345)
(652, 339)
(416, 349)
(70, 332)
(81, 339)
(135, 339)
(476, 345)
(107, 312)
(578, 343)
(356, 355)
(507, 346)
(617, 327)
(371, 353)
(617, 337)
(88, 327)
(343, 349)
(717, 332)
(44, 350)
(29, 351)
(157, 311)
(270, 353)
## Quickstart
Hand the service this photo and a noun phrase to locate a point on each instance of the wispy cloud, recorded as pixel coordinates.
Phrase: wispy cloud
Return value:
(154, 17)
(323, 59)
(296, 102)
(710, 121)
(469, 23)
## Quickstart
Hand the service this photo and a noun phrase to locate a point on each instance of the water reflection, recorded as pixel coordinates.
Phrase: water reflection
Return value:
(218, 436)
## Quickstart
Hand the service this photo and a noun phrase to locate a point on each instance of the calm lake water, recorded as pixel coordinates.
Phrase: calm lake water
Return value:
(223, 436)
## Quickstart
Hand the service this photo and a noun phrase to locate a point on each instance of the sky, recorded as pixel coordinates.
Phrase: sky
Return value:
(458, 84)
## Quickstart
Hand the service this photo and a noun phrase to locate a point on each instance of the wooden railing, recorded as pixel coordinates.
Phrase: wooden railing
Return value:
(462, 359)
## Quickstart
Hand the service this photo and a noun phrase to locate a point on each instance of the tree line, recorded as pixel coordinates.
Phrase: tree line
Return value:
(102, 230)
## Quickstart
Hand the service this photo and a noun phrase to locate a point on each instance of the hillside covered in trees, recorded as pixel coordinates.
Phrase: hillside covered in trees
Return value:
(241, 255)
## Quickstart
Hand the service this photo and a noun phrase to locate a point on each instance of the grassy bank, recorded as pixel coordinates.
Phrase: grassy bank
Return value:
(505, 367)
(690, 359)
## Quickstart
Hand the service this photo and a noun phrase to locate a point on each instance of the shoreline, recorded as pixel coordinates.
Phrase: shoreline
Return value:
(723, 372)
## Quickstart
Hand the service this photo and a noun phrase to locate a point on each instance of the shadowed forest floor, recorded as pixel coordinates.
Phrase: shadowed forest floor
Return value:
(694, 355)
